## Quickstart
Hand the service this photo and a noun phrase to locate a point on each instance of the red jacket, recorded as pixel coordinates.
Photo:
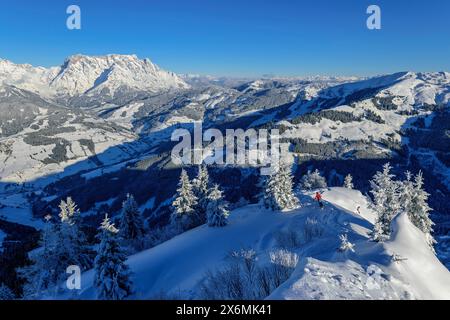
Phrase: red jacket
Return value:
(318, 196)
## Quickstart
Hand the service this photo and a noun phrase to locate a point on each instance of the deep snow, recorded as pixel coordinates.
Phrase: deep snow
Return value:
(402, 268)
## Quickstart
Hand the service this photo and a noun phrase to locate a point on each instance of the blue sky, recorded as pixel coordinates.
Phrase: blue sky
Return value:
(235, 38)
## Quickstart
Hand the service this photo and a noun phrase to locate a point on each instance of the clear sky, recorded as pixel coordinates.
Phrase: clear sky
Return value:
(235, 38)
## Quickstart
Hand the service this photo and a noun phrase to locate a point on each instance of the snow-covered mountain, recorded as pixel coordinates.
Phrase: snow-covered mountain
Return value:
(97, 128)
(83, 78)
(83, 74)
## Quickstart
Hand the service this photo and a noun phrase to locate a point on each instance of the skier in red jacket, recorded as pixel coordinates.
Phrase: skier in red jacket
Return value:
(318, 197)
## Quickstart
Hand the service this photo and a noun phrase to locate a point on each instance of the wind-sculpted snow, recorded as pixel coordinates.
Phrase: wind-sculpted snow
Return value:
(402, 268)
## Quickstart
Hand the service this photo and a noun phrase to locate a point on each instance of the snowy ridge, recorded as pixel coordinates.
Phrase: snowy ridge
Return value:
(178, 267)
(416, 88)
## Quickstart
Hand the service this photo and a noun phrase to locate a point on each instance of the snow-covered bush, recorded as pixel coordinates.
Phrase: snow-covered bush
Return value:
(312, 230)
(234, 281)
(288, 239)
(313, 180)
(283, 262)
(224, 284)
(345, 244)
(395, 257)
(243, 279)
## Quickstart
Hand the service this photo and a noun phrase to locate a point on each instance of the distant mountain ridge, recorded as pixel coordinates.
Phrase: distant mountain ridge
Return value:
(92, 76)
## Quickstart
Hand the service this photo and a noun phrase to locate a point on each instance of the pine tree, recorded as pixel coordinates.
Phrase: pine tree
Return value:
(71, 248)
(183, 214)
(112, 275)
(69, 212)
(406, 191)
(6, 293)
(278, 191)
(42, 274)
(217, 213)
(313, 180)
(348, 182)
(386, 202)
(131, 221)
(63, 245)
(201, 189)
(415, 203)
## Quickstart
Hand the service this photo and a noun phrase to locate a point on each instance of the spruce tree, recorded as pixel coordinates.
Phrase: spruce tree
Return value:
(42, 274)
(348, 182)
(131, 221)
(183, 215)
(386, 204)
(415, 203)
(71, 248)
(201, 189)
(62, 245)
(313, 180)
(112, 275)
(217, 213)
(278, 190)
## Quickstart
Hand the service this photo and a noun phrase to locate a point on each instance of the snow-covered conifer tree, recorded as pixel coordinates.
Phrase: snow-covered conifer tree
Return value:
(62, 245)
(348, 182)
(313, 180)
(406, 189)
(41, 274)
(131, 221)
(415, 203)
(278, 190)
(217, 213)
(386, 202)
(183, 214)
(201, 189)
(70, 246)
(112, 275)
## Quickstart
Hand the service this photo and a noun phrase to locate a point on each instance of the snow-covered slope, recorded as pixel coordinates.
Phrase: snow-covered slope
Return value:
(415, 88)
(402, 268)
(41, 140)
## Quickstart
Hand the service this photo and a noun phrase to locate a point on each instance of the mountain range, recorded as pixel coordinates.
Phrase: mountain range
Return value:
(97, 128)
